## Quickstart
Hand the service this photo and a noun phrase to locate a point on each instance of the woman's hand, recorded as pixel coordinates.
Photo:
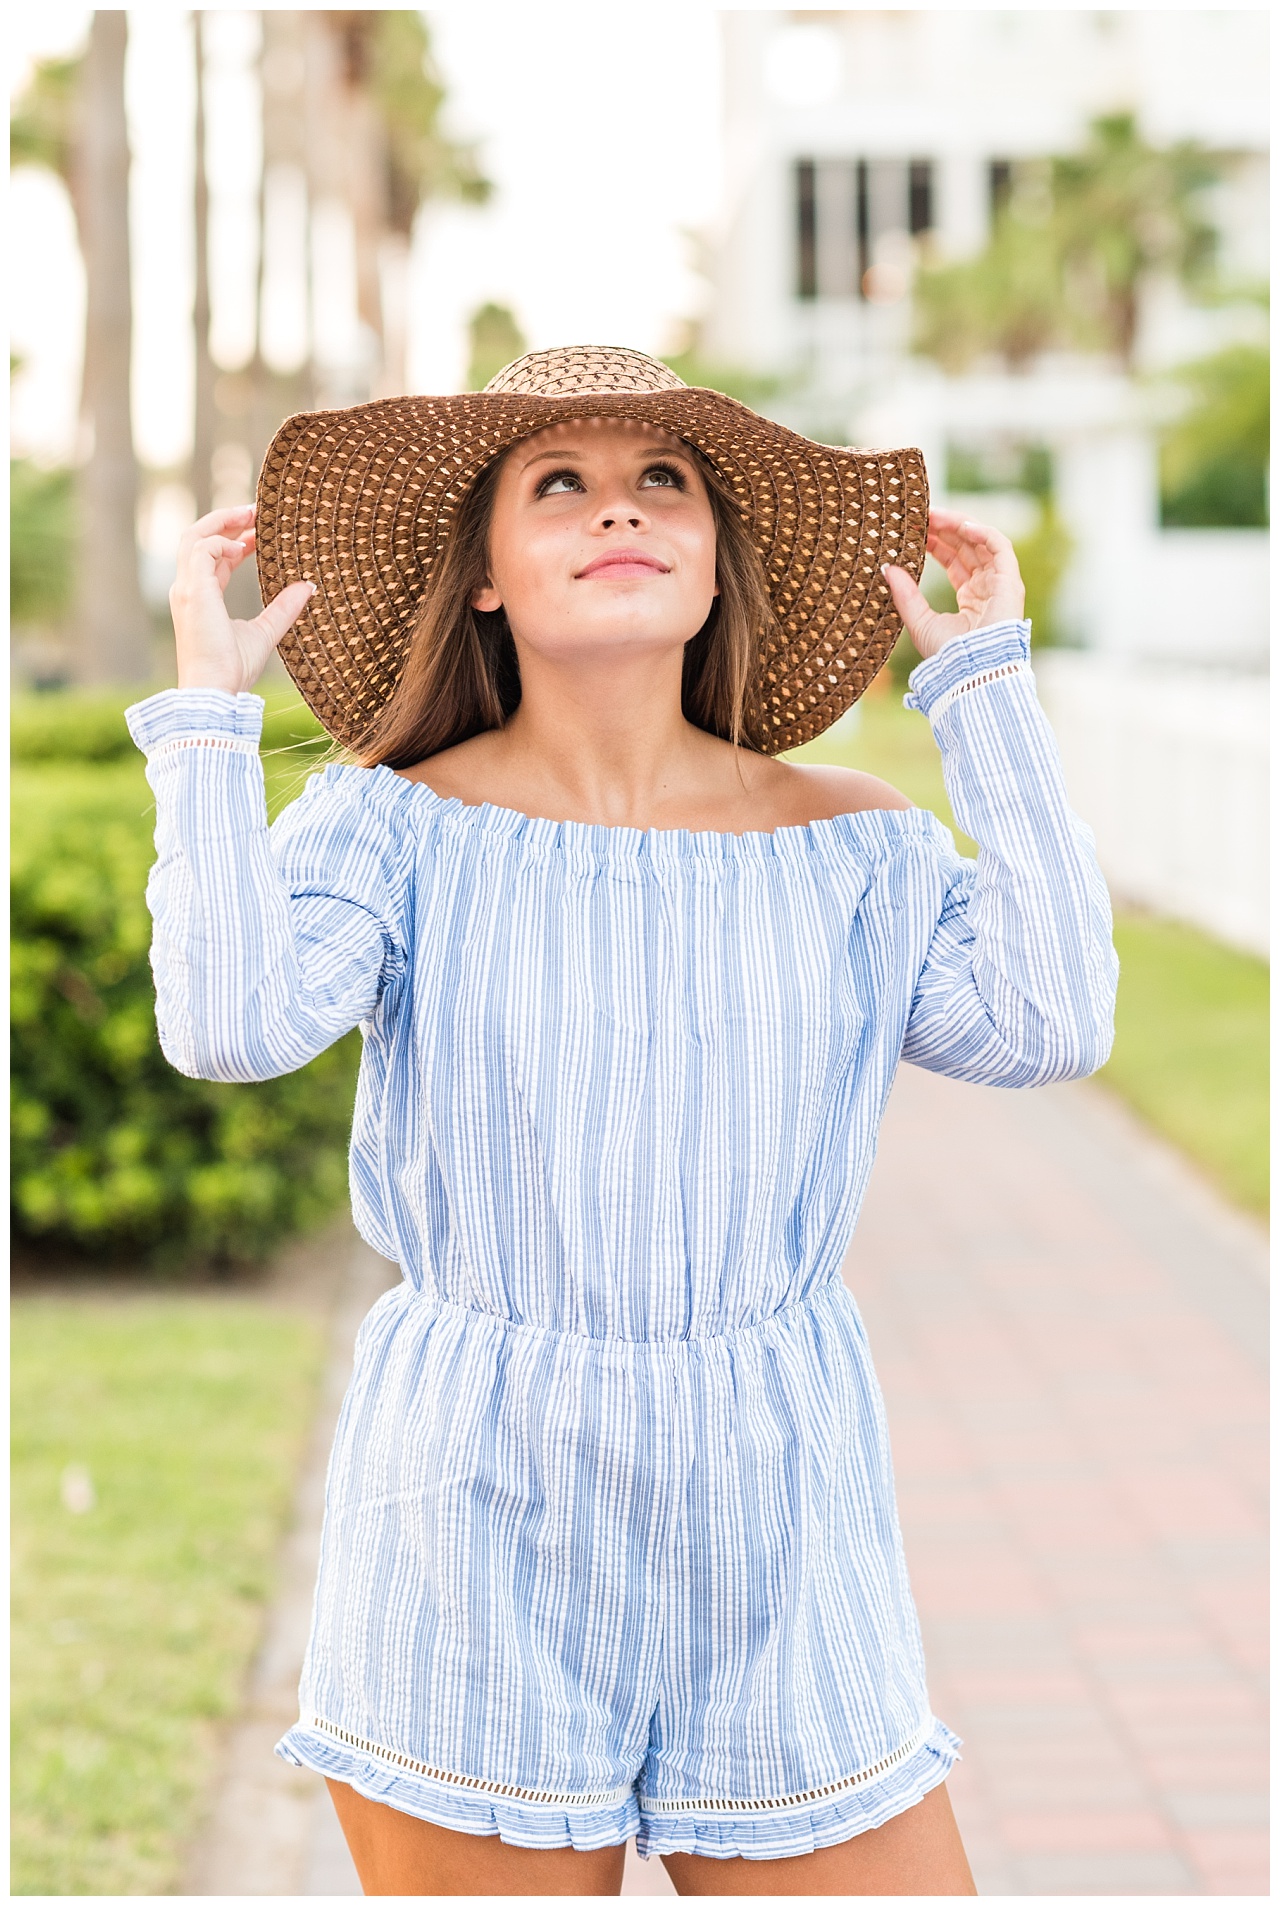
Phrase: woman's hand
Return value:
(214, 651)
(982, 569)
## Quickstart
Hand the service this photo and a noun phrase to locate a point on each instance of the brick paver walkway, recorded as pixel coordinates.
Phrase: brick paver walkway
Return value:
(1070, 1334)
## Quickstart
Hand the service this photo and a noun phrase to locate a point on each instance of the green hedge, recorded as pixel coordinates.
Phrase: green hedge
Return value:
(114, 1153)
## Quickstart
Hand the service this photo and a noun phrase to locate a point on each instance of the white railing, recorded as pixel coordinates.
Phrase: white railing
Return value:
(1169, 767)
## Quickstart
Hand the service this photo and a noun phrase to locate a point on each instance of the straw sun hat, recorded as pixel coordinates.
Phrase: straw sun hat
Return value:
(360, 502)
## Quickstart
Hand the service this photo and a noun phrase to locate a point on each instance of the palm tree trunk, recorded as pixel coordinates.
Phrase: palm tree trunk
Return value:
(113, 637)
(348, 151)
(205, 421)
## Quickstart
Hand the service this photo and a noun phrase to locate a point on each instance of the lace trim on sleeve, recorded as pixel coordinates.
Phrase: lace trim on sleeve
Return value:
(238, 744)
(944, 701)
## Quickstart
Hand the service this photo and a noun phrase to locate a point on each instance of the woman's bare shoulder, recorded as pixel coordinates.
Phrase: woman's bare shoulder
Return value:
(808, 791)
(457, 773)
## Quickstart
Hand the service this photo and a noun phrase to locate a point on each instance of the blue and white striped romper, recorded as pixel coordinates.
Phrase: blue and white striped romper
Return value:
(611, 1545)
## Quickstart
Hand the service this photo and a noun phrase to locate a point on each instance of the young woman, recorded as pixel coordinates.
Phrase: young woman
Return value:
(611, 1546)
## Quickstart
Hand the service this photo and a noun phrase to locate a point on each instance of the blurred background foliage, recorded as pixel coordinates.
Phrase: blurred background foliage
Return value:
(1214, 460)
(495, 338)
(1072, 242)
(392, 52)
(41, 542)
(115, 1155)
(351, 98)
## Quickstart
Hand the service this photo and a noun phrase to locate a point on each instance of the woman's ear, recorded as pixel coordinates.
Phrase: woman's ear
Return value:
(486, 600)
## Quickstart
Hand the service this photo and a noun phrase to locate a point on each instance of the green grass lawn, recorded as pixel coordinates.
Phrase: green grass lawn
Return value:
(176, 1424)
(1191, 1015)
(1191, 1048)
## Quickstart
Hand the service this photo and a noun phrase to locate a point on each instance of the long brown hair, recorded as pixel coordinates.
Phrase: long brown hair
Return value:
(462, 677)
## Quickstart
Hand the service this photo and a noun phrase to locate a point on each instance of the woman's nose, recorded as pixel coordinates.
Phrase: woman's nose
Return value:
(614, 519)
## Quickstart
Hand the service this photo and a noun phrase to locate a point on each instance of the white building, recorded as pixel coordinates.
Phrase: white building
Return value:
(848, 134)
(853, 139)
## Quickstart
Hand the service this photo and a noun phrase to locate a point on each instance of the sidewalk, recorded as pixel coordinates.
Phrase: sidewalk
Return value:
(1070, 1332)
(1071, 1336)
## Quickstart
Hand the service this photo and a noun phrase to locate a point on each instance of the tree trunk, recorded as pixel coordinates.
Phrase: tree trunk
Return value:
(263, 396)
(205, 421)
(349, 163)
(113, 635)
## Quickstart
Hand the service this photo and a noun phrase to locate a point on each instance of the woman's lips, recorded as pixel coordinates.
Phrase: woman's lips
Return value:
(624, 562)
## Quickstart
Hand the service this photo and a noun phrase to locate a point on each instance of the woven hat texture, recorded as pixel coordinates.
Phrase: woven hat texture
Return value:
(360, 502)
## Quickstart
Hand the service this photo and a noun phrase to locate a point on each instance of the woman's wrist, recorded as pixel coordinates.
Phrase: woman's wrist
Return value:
(220, 680)
(996, 615)
(996, 648)
(192, 711)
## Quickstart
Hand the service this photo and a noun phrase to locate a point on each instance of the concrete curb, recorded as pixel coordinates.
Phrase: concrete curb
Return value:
(271, 1830)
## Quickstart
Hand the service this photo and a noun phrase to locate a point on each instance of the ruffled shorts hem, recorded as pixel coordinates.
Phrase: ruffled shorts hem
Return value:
(801, 1828)
(517, 1822)
(805, 1827)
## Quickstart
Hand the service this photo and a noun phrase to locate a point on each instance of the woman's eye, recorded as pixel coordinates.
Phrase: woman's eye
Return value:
(559, 483)
(662, 477)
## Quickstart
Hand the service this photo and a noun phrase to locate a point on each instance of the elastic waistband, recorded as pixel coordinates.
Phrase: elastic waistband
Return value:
(830, 1289)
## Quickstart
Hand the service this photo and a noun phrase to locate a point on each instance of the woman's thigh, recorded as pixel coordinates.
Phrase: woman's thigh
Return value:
(918, 1851)
(394, 1853)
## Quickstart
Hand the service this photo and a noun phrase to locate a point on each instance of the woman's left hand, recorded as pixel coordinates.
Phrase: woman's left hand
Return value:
(982, 569)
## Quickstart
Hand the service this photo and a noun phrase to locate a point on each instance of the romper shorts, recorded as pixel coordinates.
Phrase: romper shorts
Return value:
(575, 1590)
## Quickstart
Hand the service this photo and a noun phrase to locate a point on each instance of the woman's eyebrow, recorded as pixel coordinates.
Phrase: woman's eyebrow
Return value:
(554, 456)
(574, 456)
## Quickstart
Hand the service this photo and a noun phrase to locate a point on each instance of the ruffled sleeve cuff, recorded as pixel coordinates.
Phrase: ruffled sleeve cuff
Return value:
(186, 714)
(1004, 648)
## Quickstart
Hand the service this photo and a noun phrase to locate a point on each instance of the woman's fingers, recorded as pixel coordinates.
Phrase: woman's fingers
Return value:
(908, 600)
(283, 610)
(981, 566)
(973, 553)
(219, 522)
(217, 525)
(975, 542)
(958, 561)
(211, 551)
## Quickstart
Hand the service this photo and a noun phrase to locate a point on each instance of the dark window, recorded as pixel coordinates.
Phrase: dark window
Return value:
(1000, 182)
(919, 197)
(843, 207)
(806, 229)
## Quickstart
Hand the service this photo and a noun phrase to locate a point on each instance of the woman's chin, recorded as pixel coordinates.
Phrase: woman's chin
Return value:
(610, 640)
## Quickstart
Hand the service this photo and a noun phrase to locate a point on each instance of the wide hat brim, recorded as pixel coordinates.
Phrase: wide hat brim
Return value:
(360, 502)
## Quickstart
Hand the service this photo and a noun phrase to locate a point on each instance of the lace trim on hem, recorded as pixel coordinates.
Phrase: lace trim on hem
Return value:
(238, 744)
(832, 1787)
(977, 681)
(473, 1783)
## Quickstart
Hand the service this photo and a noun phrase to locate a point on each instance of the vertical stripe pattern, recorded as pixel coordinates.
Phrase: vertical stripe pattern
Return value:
(611, 1543)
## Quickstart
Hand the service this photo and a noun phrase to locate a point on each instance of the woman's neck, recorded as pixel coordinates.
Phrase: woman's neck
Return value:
(608, 743)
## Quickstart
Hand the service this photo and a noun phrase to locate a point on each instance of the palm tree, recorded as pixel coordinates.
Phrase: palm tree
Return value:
(1124, 211)
(205, 416)
(72, 119)
(1008, 302)
(1071, 251)
(378, 131)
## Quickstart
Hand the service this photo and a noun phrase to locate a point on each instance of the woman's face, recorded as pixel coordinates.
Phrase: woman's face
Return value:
(602, 539)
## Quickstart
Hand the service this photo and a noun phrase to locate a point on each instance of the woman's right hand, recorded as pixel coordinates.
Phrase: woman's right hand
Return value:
(213, 650)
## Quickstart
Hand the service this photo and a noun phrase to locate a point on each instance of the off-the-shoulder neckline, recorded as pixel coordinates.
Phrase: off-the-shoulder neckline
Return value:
(512, 823)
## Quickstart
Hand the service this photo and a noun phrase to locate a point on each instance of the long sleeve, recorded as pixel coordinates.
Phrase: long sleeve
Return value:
(268, 943)
(1018, 988)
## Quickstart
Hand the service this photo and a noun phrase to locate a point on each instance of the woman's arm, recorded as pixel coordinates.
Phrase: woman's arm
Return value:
(1018, 987)
(268, 944)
